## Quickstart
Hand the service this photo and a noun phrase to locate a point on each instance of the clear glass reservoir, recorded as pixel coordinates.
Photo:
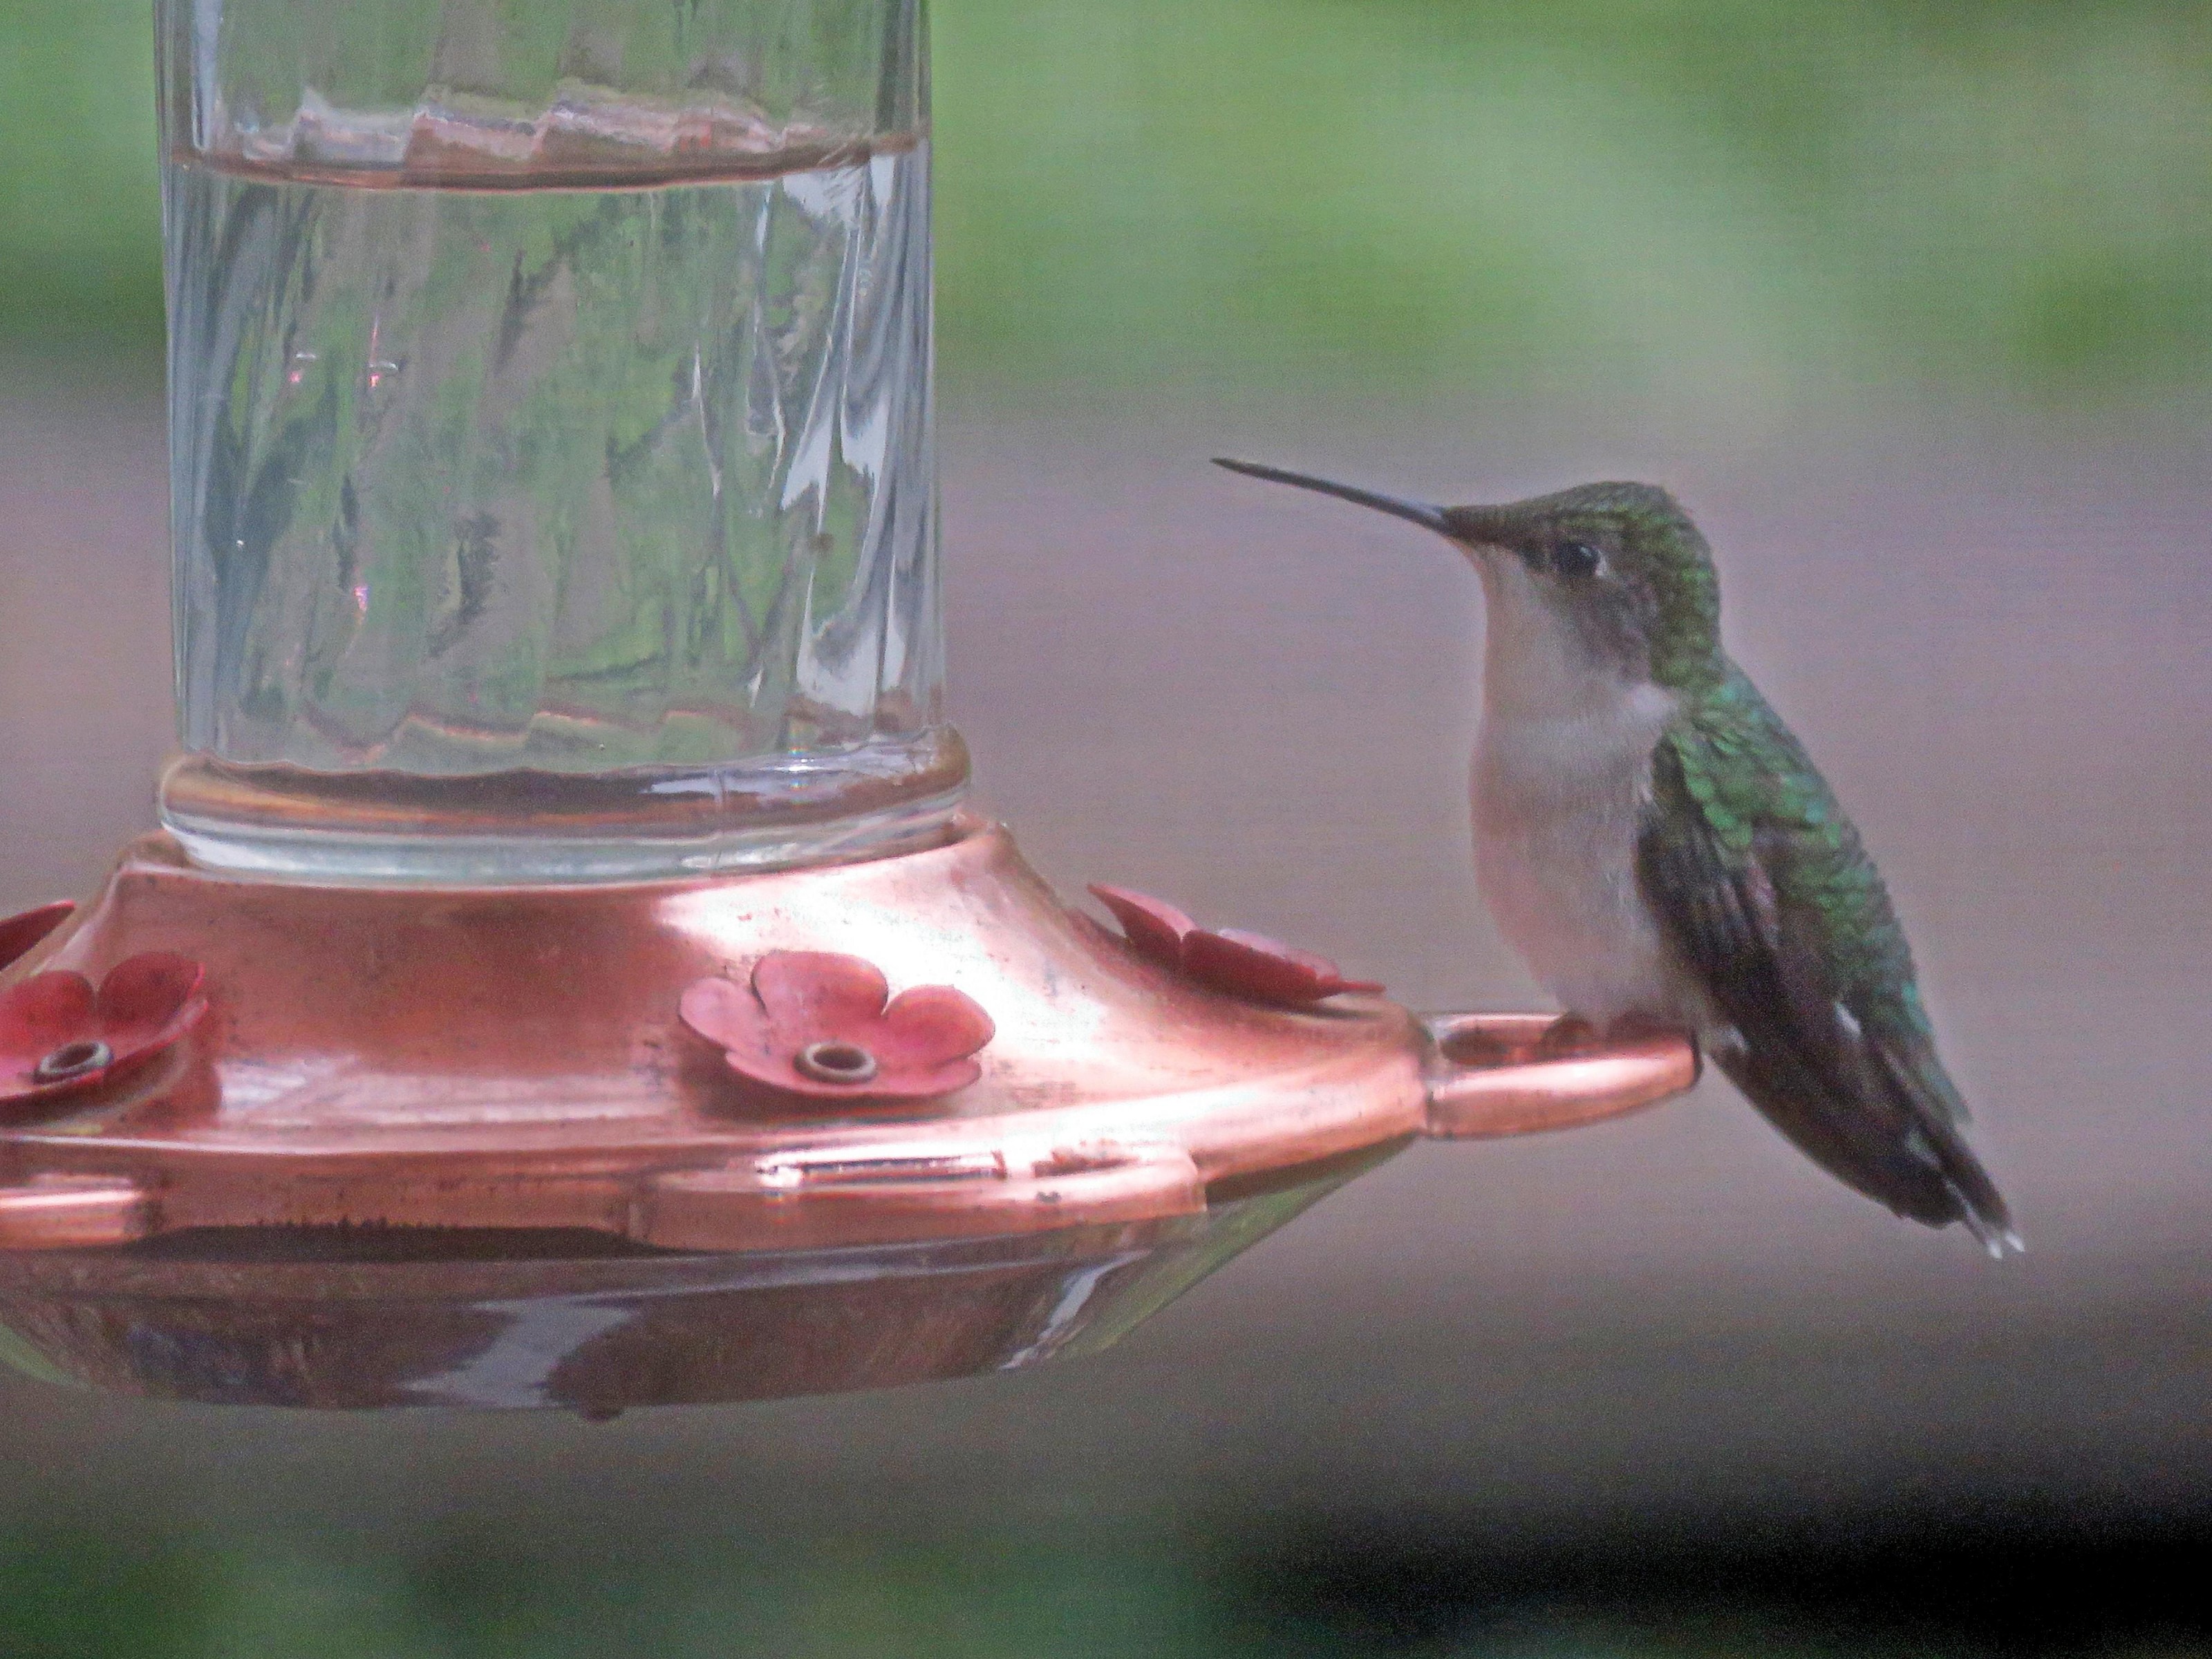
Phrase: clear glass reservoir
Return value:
(552, 487)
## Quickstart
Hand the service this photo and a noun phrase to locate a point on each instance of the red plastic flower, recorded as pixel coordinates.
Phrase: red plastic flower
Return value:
(1230, 959)
(817, 1024)
(19, 933)
(58, 1034)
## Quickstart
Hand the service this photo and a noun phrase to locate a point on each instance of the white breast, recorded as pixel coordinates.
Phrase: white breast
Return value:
(1562, 775)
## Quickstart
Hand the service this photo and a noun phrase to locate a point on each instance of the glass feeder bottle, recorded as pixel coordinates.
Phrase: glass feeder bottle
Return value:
(549, 415)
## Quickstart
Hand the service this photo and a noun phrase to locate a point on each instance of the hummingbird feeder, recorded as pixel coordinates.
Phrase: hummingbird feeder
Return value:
(566, 974)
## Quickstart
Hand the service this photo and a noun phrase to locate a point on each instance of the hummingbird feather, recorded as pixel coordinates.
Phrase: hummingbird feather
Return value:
(1763, 886)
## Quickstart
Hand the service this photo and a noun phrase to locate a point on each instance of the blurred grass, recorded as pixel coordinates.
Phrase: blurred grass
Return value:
(1735, 202)
(1583, 197)
(82, 1595)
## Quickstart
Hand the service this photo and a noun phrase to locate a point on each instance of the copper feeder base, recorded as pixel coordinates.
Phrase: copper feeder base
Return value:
(439, 1145)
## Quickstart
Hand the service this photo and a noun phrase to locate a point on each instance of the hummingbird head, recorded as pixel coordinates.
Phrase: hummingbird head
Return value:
(1604, 579)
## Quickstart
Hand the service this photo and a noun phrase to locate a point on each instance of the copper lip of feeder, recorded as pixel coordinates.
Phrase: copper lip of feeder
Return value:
(456, 1146)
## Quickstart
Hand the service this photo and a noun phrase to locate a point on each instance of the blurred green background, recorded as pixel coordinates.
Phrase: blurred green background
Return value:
(1726, 203)
(1725, 215)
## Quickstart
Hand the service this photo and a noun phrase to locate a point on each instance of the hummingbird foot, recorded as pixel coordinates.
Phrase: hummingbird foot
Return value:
(1641, 1028)
(1571, 1034)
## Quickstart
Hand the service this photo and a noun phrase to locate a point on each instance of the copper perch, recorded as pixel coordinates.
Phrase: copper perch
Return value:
(512, 1065)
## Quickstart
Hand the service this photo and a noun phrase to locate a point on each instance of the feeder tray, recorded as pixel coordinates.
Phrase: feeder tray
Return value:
(443, 1146)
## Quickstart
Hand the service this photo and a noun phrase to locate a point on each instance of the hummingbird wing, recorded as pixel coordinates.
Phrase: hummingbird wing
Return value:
(1763, 887)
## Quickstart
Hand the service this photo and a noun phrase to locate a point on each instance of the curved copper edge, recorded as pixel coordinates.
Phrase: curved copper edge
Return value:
(1487, 1079)
(893, 1194)
(511, 1058)
(598, 1336)
(63, 1213)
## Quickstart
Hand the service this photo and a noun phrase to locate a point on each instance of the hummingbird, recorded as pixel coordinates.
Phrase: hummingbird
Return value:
(1660, 849)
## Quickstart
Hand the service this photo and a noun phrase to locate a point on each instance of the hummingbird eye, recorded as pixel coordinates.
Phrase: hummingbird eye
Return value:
(1575, 559)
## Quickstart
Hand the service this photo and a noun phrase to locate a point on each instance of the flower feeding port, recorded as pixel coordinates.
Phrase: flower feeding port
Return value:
(527, 1002)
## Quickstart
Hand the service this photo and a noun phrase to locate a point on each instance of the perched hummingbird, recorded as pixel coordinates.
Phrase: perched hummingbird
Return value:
(1660, 849)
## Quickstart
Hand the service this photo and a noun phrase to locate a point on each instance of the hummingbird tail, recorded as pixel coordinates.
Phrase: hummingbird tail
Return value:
(1883, 1141)
(1933, 1119)
(1999, 1239)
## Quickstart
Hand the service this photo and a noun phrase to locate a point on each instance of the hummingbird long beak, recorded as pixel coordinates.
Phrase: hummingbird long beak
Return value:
(1420, 513)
